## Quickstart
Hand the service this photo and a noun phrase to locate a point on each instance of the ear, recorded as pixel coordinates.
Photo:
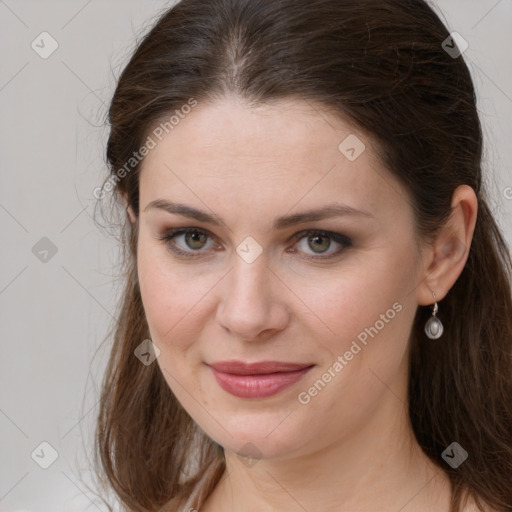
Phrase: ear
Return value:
(447, 256)
(129, 209)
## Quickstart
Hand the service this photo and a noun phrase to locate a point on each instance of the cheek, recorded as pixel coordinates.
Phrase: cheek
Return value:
(346, 301)
(366, 312)
(172, 296)
(171, 301)
(364, 362)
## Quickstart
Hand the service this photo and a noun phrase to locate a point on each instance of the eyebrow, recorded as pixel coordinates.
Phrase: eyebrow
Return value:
(330, 210)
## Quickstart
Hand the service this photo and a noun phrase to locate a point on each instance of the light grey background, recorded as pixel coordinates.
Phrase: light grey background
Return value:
(55, 314)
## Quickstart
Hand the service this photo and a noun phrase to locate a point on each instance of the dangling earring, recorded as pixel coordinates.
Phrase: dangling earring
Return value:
(434, 328)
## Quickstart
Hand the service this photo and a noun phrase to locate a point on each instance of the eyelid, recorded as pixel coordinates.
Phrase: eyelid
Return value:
(343, 240)
(169, 235)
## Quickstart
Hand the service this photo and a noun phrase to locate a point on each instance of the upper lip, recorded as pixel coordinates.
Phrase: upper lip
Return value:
(264, 367)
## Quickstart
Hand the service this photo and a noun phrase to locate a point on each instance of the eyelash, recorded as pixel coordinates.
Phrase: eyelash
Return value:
(343, 240)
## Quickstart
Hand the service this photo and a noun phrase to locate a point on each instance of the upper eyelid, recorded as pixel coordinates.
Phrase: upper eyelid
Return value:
(337, 238)
(187, 229)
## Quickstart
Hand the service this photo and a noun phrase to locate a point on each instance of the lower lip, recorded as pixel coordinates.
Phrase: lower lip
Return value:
(257, 386)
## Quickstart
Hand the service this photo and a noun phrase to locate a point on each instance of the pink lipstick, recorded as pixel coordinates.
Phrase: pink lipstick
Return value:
(257, 380)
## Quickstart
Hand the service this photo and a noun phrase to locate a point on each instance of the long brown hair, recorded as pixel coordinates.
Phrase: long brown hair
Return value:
(384, 65)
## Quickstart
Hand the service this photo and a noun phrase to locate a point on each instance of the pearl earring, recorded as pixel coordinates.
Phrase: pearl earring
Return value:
(434, 328)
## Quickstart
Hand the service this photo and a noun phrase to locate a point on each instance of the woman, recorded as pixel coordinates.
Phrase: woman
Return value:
(318, 311)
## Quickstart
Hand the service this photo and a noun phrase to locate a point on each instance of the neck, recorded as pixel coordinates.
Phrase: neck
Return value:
(374, 468)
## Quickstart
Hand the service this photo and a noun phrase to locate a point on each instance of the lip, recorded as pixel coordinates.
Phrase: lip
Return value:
(257, 380)
(236, 367)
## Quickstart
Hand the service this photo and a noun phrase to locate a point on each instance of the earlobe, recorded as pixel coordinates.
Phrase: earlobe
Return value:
(129, 209)
(131, 215)
(449, 253)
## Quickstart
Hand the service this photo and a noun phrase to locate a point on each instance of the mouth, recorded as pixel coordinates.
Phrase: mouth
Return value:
(257, 380)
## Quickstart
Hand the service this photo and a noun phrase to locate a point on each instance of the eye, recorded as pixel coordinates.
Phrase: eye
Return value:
(321, 241)
(195, 240)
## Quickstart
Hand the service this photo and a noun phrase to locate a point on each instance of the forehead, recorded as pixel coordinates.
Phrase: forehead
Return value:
(284, 153)
(230, 129)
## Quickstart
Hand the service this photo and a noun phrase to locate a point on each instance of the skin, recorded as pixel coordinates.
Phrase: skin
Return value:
(351, 446)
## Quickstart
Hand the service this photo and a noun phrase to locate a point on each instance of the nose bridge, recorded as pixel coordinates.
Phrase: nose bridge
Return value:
(248, 304)
(249, 281)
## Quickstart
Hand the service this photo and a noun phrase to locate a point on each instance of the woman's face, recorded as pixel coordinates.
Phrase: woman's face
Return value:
(258, 287)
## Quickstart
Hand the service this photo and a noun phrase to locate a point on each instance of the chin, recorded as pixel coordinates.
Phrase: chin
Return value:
(260, 438)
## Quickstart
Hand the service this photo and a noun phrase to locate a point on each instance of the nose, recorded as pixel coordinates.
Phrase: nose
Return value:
(252, 304)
